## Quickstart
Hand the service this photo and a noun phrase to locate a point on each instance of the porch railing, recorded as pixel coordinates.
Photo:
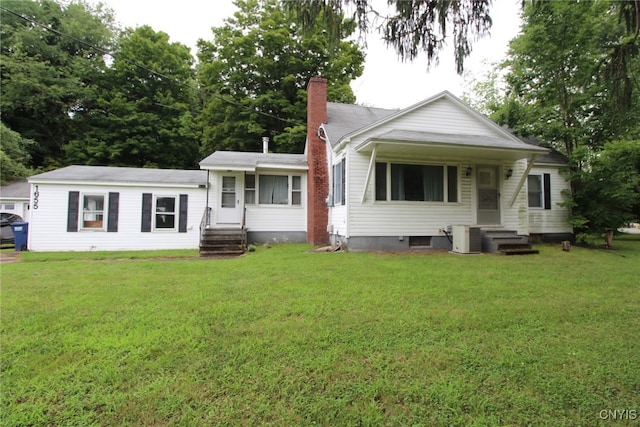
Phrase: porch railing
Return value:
(206, 221)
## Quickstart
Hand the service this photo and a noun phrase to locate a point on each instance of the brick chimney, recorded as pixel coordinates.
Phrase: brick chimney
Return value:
(318, 181)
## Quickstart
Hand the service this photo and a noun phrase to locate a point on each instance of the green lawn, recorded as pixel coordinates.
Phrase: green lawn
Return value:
(286, 337)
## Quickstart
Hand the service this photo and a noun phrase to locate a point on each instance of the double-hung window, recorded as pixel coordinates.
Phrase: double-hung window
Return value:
(539, 191)
(412, 182)
(165, 213)
(339, 174)
(93, 211)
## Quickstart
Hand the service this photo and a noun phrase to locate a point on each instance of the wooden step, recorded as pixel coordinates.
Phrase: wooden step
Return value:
(223, 241)
(519, 251)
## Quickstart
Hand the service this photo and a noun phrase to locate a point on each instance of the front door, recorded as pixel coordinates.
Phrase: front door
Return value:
(229, 197)
(488, 195)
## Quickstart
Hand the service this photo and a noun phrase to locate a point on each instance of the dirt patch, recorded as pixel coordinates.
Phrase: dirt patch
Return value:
(7, 257)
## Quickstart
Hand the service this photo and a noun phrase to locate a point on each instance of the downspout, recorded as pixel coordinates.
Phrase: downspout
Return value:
(522, 179)
(323, 136)
(208, 211)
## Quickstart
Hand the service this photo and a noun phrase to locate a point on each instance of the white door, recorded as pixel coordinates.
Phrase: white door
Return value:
(229, 199)
(488, 195)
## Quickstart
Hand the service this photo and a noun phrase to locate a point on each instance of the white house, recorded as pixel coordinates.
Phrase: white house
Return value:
(85, 208)
(402, 178)
(370, 179)
(14, 198)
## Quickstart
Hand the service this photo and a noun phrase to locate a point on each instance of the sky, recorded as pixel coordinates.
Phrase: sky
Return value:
(387, 82)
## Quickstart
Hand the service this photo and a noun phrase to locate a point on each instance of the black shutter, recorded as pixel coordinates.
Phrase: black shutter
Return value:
(344, 181)
(547, 190)
(147, 200)
(112, 216)
(182, 218)
(73, 211)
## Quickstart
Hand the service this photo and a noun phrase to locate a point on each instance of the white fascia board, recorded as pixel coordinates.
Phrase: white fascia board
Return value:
(281, 166)
(115, 183)
(229, 168)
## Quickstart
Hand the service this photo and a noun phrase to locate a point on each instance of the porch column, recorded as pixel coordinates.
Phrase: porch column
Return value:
(522, 180)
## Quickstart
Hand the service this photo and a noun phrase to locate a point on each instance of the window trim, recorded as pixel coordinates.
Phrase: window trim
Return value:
(338, 186)
(155, 212)
(445, 183)
(545, 191)
(103, 212)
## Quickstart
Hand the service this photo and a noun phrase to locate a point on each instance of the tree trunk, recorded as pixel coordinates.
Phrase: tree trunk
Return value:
(608, 239)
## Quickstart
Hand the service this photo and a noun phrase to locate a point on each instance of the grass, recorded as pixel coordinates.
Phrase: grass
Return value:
(283, 336)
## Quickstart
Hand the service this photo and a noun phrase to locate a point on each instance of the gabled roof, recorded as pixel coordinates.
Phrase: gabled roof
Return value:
(347, 121)
(241, 161)
(343, 119)
(553, 157)
(124, 176)
(15, 191)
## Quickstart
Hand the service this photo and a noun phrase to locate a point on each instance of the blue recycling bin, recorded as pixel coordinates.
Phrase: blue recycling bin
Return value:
(20, 233)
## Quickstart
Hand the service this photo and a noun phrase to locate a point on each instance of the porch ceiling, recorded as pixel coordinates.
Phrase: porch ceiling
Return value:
(422, 144)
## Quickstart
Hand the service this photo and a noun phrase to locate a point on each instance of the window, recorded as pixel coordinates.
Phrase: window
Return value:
(424, 183)
(296, 190)
(228, 192)
(165, 213)
(534, 184)
(273, 189)
(250, 189)
(339, 183)
(539, 191)
(93, 211)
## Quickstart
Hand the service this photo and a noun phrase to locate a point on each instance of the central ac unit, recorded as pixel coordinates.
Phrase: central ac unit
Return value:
(466, 239)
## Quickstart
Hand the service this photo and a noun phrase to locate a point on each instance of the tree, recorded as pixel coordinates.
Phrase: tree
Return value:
(144, 109)
(14, 156)
(609, 191)
(558, 89)
(411, 27)
(52, 56)
(552, 90)
(254, 73)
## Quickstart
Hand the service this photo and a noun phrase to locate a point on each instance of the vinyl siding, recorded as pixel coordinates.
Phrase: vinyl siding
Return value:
(378, 218)
(396, 218)
(556, 219)
(48, 223)
(268, 218)
(440, 116)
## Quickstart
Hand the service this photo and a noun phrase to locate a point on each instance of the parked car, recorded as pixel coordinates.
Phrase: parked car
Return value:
(6, 219)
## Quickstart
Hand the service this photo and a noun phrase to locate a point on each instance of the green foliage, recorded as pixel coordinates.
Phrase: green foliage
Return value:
(144, 107)
(608, 191)
(14, 156)
(254, 73)
(287, 337)
(552, 92)
(47, 77)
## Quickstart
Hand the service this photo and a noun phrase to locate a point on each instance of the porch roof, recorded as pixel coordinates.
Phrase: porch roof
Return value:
(249, 162)
(415, 143)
